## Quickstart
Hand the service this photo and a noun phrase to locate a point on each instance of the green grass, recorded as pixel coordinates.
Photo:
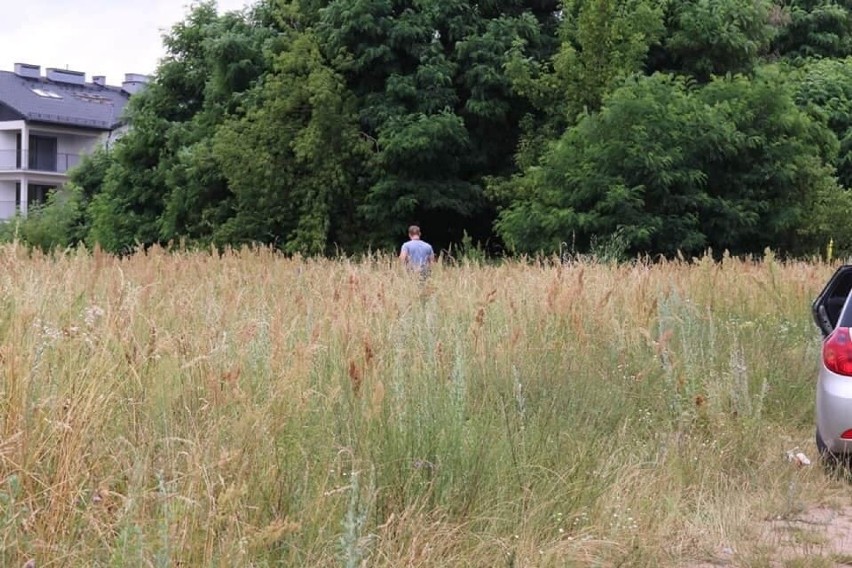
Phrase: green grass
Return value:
(251, 410)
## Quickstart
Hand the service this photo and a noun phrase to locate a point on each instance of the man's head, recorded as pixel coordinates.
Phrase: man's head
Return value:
(414, 232)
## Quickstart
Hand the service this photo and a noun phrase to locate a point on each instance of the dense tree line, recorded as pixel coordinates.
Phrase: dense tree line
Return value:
(526, 125)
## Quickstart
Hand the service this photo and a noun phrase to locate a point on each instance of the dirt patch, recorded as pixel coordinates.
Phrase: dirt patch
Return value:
(818, 532)
(819, 537)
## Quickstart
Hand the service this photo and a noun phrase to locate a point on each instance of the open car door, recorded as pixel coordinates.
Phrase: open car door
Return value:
(828, 305)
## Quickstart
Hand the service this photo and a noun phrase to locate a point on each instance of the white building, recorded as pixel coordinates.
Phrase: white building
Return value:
(47, 122)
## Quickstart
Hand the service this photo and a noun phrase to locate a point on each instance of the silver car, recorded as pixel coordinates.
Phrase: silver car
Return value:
(832, 312)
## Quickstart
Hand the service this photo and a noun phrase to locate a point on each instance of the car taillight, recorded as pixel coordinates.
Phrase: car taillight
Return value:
(837, 352)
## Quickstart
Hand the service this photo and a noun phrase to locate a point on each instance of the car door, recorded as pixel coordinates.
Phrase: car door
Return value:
(828, 305)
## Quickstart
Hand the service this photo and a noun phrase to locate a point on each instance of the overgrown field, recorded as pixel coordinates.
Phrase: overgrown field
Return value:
(251, 410)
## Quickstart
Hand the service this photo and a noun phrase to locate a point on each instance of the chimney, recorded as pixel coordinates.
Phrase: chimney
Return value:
(99, 80)
(27, 70)
(134, 82)
(64, 76)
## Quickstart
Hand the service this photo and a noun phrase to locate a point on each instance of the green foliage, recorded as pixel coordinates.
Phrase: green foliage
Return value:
(714, 37)
(126, 209)
(434, 93)
(605, 41)
(90, 173)
(467, 252)
(162, 183)
(320, 126)
(824, 89)
(599, 177)
(773, 163)
(294, 159)
(57, 224)
(814, 28)
(12, 510)
(826, 217)
(741, 185)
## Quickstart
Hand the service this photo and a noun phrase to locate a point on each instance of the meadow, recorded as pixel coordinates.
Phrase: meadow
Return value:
(247, 409)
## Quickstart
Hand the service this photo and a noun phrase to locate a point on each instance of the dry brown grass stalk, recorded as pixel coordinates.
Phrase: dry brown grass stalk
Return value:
(201, 409)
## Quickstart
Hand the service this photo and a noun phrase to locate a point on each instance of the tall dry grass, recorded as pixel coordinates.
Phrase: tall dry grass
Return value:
(251, 410)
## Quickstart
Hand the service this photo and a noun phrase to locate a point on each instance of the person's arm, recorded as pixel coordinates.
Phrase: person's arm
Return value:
(403, 255)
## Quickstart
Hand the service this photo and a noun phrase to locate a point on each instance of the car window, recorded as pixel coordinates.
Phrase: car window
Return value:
(829, 308)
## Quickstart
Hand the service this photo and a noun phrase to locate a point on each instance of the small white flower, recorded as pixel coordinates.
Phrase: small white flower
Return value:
(92, 314)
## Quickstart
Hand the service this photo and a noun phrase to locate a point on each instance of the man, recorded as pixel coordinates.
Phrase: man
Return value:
(417, 254)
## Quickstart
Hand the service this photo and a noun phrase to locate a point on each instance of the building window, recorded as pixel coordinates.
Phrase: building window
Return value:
(37, 194)
(42, 153)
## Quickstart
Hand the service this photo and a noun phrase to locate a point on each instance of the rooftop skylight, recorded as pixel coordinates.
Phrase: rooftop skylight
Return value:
(92, 98)
(47, 94)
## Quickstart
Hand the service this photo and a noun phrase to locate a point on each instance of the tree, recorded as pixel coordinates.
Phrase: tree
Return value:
(127, 209)
(824, 88)
(674, 167)
(294, 160)
(604, 42)
(814, 28)
(433, 94)
(161, 183)
(714, 37)
(318, 125)
(772, 164)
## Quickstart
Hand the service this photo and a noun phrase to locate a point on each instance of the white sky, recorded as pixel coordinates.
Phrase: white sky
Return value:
(100, 37)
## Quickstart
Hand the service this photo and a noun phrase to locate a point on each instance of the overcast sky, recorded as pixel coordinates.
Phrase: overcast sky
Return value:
(100, 37)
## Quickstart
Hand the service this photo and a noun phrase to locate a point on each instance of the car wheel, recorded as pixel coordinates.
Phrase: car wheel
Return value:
(828, 458)
(821, 447)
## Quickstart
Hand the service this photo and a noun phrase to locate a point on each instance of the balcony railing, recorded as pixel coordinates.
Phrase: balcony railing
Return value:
(60, 162)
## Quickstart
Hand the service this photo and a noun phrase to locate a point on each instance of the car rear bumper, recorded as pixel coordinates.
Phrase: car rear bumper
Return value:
(834, 410)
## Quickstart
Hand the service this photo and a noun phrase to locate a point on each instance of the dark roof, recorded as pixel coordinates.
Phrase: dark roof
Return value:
(88, 105)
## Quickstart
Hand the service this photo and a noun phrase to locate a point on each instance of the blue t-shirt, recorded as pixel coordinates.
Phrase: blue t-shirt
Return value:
(419, 252)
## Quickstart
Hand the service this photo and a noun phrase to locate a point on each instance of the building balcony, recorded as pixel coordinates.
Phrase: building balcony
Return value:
(42, 162)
